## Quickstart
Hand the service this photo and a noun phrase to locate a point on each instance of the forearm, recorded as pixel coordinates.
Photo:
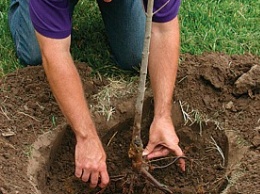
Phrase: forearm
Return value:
(163, 64)
(67, 88)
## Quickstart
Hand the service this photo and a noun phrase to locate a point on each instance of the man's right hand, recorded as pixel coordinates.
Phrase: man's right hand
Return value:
(65, 83)
(90, 161)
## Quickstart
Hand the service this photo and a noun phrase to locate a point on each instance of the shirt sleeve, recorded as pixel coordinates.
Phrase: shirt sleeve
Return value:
(168, 9)
(51, 18)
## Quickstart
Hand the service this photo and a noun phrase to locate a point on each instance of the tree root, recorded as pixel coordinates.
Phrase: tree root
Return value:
(143, 169)
(154, 182)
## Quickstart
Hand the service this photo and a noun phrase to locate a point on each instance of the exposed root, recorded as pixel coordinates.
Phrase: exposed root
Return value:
(167, 165)
(154, 182)
(142, 169)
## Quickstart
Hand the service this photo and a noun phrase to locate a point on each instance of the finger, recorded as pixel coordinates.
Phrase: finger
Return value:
(94, 179)
(104, 179)
(182, 164)
(85, 176)
(107, 1)
(177, 150)
(149, 148)
(162, 151)
(158, 147)
(78, 172)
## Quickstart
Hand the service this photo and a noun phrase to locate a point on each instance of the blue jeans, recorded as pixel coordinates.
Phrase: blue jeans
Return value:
(124, 22)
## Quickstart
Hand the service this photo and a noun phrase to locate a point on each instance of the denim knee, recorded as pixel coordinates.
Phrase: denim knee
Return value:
(26, 44)
(27, 49)
(128, 61)
(125, 26)
(29, 59)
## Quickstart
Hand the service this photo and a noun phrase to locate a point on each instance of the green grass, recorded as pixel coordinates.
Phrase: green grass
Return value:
(225, 26)
(8, 61)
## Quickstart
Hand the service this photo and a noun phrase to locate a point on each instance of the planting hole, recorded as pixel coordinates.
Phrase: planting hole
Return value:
(205, 145)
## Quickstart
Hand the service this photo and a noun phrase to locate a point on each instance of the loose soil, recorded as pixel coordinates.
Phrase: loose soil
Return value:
(216, 116)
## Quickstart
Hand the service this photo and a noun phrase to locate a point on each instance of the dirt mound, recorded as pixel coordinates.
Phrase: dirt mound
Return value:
(217, 100)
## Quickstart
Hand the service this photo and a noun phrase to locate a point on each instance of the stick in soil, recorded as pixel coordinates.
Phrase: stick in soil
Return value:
(136, 145)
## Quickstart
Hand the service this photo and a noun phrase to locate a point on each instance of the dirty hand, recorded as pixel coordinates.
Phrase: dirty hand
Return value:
(90, 162)
(163, 140)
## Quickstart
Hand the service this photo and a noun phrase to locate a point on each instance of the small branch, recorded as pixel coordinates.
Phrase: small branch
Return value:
(161, 7)
(156, 183)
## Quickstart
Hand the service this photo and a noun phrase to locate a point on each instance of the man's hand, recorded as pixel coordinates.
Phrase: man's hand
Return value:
(107, 1)
(90, 158)
(90, 161)
(163, 140)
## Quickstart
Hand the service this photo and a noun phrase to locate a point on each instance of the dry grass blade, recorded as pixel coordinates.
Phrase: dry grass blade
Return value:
(117, 88)
(19, 112)
(111, 139)
(4, 112)
(216, 147)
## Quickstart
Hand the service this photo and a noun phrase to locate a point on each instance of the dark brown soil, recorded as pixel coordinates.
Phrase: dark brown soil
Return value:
(219, 93)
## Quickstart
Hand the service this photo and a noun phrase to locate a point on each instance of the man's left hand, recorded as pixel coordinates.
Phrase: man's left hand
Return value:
(163, 140)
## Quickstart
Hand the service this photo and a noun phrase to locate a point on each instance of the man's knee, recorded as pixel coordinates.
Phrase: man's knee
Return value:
(29, 58)
(129, 61)
(26, 45)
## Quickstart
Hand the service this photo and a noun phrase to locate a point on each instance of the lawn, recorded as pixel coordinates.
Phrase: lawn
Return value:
(225, 26)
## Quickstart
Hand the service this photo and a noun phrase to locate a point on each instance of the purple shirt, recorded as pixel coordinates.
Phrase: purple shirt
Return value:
(52, 18)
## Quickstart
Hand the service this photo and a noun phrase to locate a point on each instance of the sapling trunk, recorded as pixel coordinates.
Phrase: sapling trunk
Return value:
(136, 146)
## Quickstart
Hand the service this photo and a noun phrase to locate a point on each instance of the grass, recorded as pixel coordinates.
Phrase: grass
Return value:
(219, 26)
(28, 151)
(215, 146)
(8, 61)
(192, 116)
(116, 88)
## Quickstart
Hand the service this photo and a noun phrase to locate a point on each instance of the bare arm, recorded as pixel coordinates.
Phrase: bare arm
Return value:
(163, 65)
(66, 86)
